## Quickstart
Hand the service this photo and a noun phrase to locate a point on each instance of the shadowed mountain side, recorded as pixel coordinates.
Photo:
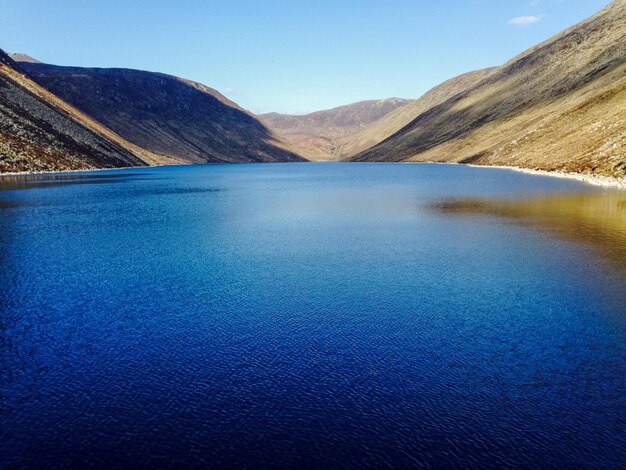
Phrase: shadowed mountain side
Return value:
(388, 125)
(319, 135)
(40, 132)
(596, 219)
(165, 114)
(559, 106)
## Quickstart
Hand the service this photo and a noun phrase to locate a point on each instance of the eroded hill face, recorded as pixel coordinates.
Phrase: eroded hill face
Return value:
(166, 115)
(559, 106)
(321, 135)
(39, 132)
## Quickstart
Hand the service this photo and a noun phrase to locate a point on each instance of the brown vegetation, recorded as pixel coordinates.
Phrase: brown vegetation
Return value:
(166, 115)
(39, 132)
(324, 135)
(388, 125)
(559, 106)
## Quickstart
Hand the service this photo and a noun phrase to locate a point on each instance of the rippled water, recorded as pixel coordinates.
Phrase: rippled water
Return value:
(311, 315)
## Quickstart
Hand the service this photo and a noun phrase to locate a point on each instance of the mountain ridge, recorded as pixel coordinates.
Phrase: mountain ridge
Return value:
(558, 106)
(21, 57)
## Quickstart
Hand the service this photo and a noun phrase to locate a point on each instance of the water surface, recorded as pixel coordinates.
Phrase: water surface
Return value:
(311, 315)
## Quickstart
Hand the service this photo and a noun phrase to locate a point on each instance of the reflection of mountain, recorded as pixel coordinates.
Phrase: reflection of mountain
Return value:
(596, 219)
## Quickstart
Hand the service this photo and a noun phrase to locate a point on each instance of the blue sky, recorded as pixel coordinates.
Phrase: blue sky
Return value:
(289, 56)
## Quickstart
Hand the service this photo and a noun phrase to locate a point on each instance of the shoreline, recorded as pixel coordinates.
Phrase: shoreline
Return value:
(595, 180)
(63, 172)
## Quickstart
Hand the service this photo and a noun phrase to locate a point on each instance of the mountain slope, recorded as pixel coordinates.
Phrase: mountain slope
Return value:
(388, 125)
(39, 132)
(558, 106)
(163, 114)
(20, 57)
(316, 135)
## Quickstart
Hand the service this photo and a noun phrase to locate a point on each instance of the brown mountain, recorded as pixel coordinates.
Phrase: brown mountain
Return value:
(40, 132)
(166, 115)
(20, 57)
(320, 135)
(391, 123)
(558, 106)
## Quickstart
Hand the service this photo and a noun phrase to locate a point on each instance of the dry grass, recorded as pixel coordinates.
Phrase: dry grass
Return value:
(393, 122)
(559, 106)
(167, 116)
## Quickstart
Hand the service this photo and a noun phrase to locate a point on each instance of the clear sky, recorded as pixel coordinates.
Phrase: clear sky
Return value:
(289, 55)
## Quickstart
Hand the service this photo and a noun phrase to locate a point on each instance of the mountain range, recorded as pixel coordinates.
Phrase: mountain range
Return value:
(321, 135)
(559, 106)
(68, 118)
(339, 133)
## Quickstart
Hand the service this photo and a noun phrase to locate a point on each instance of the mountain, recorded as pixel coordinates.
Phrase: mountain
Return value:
(40, 132)
(558, 106)
(166, 115)
(20, 57)
(347, 130)
(379, 130)
(318, 135)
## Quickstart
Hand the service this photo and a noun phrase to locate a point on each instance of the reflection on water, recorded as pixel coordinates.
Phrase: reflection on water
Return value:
(596, 219)
(11, 182)
(125, 181)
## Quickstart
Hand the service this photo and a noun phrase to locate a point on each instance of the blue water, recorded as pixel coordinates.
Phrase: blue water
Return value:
(304, 315)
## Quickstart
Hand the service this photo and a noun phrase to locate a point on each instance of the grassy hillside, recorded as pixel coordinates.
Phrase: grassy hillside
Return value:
(166, 115)
(388, 125)
(558, 106)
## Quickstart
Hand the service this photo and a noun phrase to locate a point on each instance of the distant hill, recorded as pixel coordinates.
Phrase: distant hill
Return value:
(40, 132)
(558, 106)
(163, 114)
(318, 135)
(342, 132)
(19, 57)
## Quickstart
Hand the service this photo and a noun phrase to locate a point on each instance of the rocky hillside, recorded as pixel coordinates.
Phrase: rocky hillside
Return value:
(39, 132)
(320, 135)
(558, 106)
(165, 115)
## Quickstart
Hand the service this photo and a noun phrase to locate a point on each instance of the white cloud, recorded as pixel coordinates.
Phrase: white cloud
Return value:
(524, 20)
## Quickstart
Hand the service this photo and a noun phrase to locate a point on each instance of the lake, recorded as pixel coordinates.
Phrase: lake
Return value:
(312, 316)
